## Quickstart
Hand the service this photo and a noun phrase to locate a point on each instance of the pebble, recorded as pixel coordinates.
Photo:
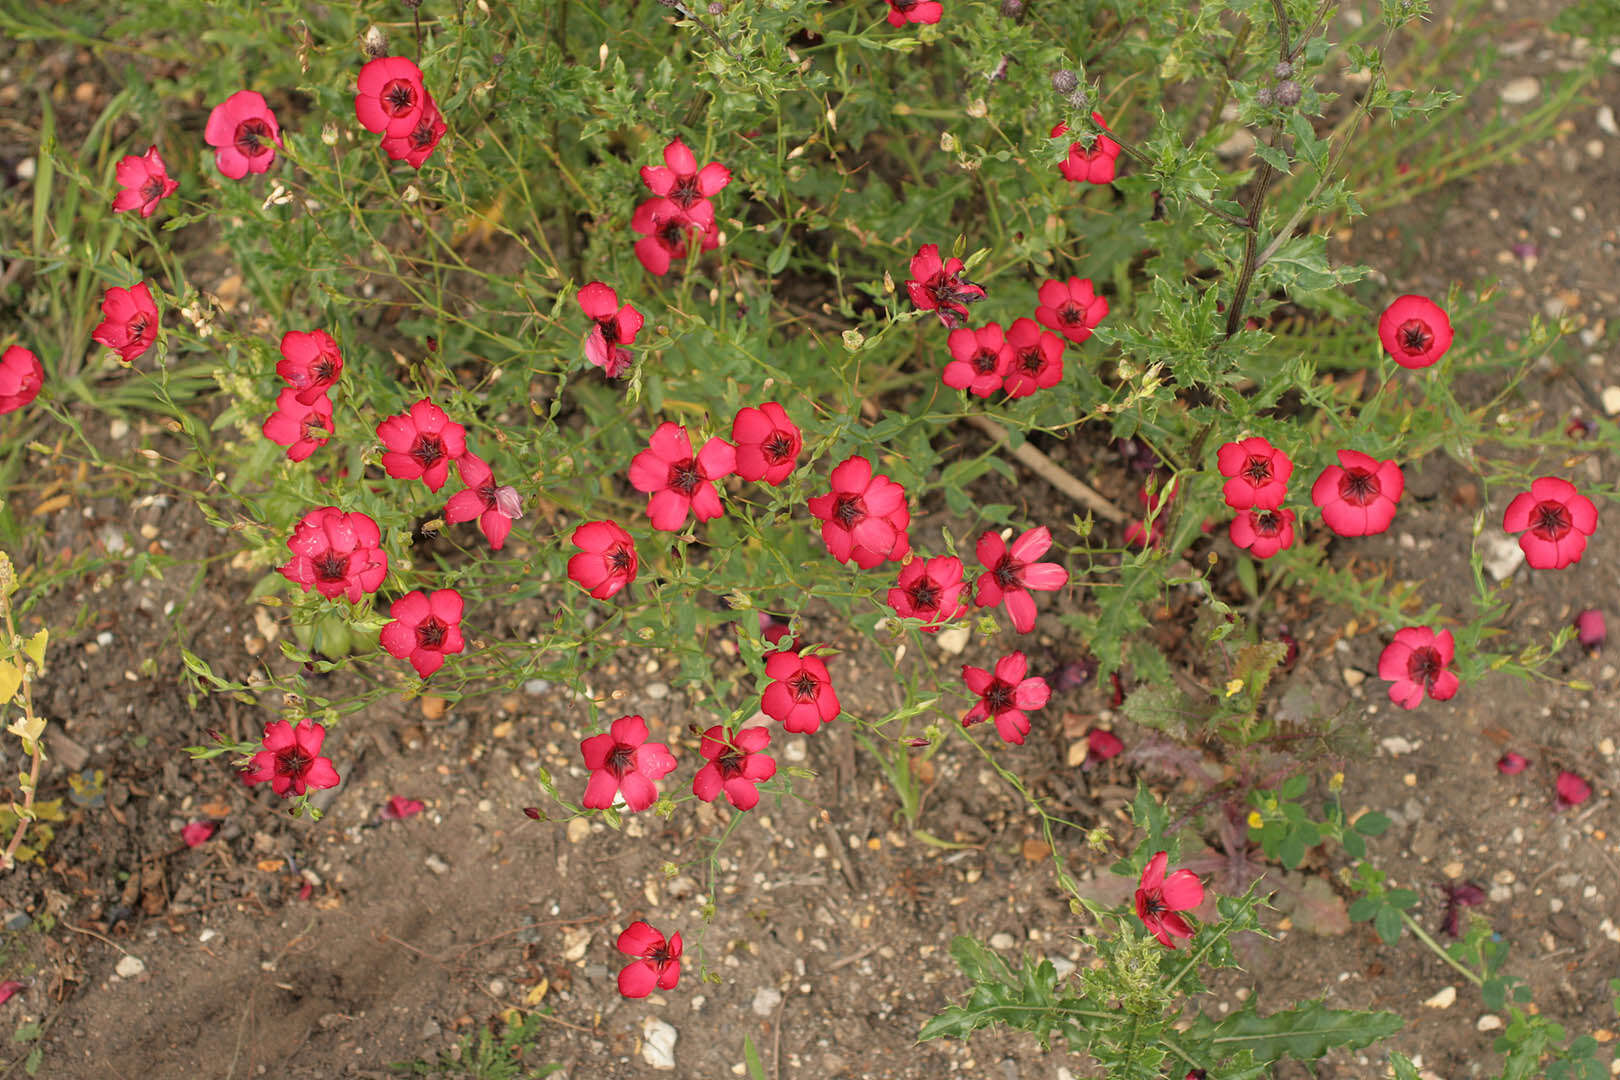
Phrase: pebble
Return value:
(1002, 940)
(953, 639)
(497, 988)
(431, 1029)
(795, 750)
(1394, 744)
(657, 691)
(1063, 966)
(578, 830)
(1444, 999)
(208, 935)
(1453, 870)
(1611, 400)
(658, 1045)
(1488, 1023)
(26, 168)
(1521, 91)
(1353, 678)
(17, 920)
(766, 999)
(536, 687)
(1605, 120)
(118, 429)
(130, 966)
(576, 940)
(437, 865)
(1500, 552)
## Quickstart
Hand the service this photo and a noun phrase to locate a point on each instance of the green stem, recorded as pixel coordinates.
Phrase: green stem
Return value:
(1439, 950)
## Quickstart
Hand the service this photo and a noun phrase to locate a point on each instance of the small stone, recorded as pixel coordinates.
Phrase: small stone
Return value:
(795, 750)
(1002, 940)
(497, 988)
(1395, 745)
(578, 830)
(536, 687)
(576, 940)
(1606, 746)
(658, 1044)
(118, 429)
(657, 691)
(1611, 400)
(1062, 966)
(1488, 1023)
(430, 1029)
(1445, 999)
(130, 967)
(953, 639)
(17, 920)
(1605, 120)
(1521, 91)
(1501, 553)
(432, 706)
(208, 935)
(766, 999)
(1452, 870)
(1353, 678)
(437, 865)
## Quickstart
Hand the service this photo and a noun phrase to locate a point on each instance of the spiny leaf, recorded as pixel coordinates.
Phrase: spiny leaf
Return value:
(1305, 1033)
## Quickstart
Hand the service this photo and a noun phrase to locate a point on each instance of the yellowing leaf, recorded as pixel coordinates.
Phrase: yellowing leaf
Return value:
(537, 993)
(28, 730)
(35, 648)
(10, 679)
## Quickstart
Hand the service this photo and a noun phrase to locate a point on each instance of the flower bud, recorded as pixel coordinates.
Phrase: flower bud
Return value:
(1591, 628)
(1288, 94)
(717, 8)
(1283, 69)
(1265, 95)
(1080, 101)
(1064, 81)
(375, 43)
(532, 812)
(329, 134)
(1012, 8)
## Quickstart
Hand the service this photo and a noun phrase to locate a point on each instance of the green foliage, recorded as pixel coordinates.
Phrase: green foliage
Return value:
(493, 1052)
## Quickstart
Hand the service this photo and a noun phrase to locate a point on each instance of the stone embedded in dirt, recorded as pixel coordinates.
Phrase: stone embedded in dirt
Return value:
(1445, 999)
(576, 940)
(658, 1047)
(657, 691)
(1002, 940)
(766, 999)
(1605, 120)
(1395, 745)
(579, 830)
(130, 967)
(1611, 400)
(437, 865)
(1501, 554)
(953, 639)
(1521, 91)
(1488, 1023)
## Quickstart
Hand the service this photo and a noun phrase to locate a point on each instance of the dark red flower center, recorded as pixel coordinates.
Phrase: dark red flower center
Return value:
(621, 759)
(684, 476)
(730, 762)
(486, 492)
(998, 697)
(398, 98)
(427, 450)
(849, 510)
(610, 328)
(152, 190)
(619, 559)
(778, 448)
(903, 6)
(1424, 666)
(805, 686)
(1257, 470)
(311, 427)
(1267, 522)
(1150, 901)
(1032, 361)
(252, 137)
(430, 632)
(1550, 520)
(686, 191)
(293, 761)
(984, 361)
(331, 566)
(661, 957)
(924, 594)
(1007, 573)
(1414, 336)
(424, 134)
(672, 235)
(1072, 314)
(137, 329)
(1359, 487)
(323, 370)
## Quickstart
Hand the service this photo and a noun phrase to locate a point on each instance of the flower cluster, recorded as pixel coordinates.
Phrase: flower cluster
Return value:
(679, 208)
(310, 363)
(1093, 163)
(613, 327)
(291, 759)
(390, 100)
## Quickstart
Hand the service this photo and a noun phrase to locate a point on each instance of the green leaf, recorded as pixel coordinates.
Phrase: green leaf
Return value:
(1305, 1033)
(1388, 924)
(779, 258)
(1401, 1066)
(756, 1068)
(35, 647)
(1372, 823)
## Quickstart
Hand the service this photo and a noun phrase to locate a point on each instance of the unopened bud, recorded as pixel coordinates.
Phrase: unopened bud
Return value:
(1283, 69)
(375, 43)
(329, 134)
(1080, 101)
(533, 812)
(717, 8)
(1012, 8)
(1265, 96)
(1591, 628)
(1064, 81)
(1288, 94)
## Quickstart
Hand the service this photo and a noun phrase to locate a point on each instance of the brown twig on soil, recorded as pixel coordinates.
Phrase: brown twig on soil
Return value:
(91, 933)
(1053, 473)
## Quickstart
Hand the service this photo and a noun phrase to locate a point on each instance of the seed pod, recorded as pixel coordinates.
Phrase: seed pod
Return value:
(1288, 94)
(1283, 69)
(1064, 81)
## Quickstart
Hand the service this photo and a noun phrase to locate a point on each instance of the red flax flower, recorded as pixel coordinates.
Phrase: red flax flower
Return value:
(1418, 662)
(980, 359)
(1072, 308)
(606, 561)
(197, 833)
(864, 517)
(937, 285)
(417, 145)
(1009, 574)
(310, 362)
(1005, 696)
(657, 963)
(390, 96)
(1037, 359)
(291, 759)
(735, 765)
(1512, 763)
(1591, 629)
(426, 627)
(680, 180)
(1572, 790)
(914, 11)
(244, 134)
(1095, 164)
(301, 428)
(1358, 495)
(145, 180)
(1257, 473)
(1100, 746)
(1558, 519)
(1415, 331)
(665, 228)
(399, 807)
(495, 506)
(767, 442)
(615, 327)
(129, 321)
(21, 376)
(622, 760)
(421, 443)
(931, 590)
(1159, 899)
(338, 554)
(1263, 530)
(801, 694)
(679, 482)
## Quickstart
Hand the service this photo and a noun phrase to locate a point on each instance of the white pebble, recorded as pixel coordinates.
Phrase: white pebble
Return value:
(658, 1045)
(1444, 999)
(130, 966)
(1521, 91)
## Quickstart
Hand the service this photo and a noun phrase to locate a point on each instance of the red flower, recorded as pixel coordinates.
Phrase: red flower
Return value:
(337, 553)
(1072, 308)
(421, 443)
(1092, 165)
(1100, 746)
(981, 359)
(390, 97)
(1572, 790)
(801, 695)
(931, 590)
(1415, 331)
(415, 146)
(495, 506)
(768, 443)
(21, 376)
(1158, 899)
(1264, 531)
(914, 11)
(291, 759)
(1590, 627)
(244, 134)
(426, 626)
(680, 180)
(606, 561)
(1257, 473)
(1005, 696)
(734, 766)
(1358, 496)
(863, 517)
(1009, 574)
(676, 481)
(310, 362)
(1559, 520)
(938, 286)
(664, 228)
(1037, 359)
(622, 760)
(1417, 662)
(658, 962)
(145, 180)
(615, 326)
(1512, 763)
(197, 833)
(398, 808)
(130, 321)
(301, 428)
